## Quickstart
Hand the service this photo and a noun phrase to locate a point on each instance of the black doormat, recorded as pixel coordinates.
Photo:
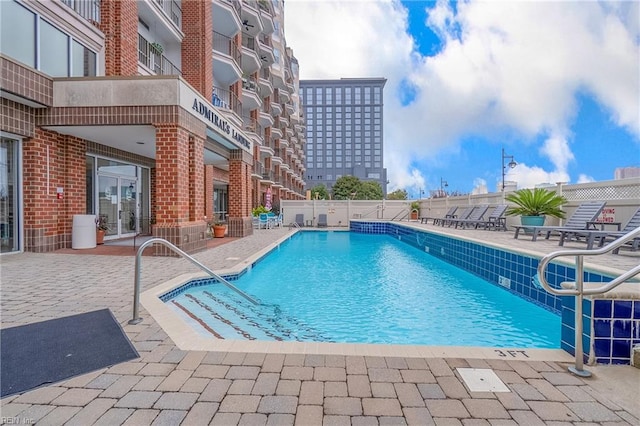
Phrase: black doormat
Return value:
(46, 352)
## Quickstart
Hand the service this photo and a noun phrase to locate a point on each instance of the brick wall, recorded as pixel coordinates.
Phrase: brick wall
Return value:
(119, 23)
(52, 161)
(197, 46)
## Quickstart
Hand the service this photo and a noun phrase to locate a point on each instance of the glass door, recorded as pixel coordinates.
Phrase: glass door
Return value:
(117, 205)
(9, 196)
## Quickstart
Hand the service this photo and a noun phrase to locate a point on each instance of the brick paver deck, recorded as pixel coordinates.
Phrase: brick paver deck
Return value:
(167, 385)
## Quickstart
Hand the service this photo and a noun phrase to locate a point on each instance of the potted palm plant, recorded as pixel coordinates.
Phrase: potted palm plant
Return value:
(533, 205)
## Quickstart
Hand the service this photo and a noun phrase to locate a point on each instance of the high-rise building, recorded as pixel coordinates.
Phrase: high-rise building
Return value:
(344, 120)
(155, 116)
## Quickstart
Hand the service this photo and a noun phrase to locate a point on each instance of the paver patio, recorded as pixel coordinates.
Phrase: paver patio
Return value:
(167, 385)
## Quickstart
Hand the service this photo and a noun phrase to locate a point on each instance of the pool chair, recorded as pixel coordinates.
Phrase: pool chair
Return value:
(299, 220)
(496, 220)
(263, 221)
(603, 236)
(322, 220)
(449, 214)
(579, 221)
(476, 215)
(463, 215)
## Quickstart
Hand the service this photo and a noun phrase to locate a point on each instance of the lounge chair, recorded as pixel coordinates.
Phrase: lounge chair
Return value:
(592, 235)
(299, 220)
(464, 215)
(496, 220)
(476, 215)
(449, 214)
(322, 220)
(579, 221)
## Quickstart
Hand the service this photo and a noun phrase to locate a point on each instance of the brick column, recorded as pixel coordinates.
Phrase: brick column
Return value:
(174, 189)
(240, 168)
(197, 46)
(119, 23)
(208, 191)
(196, 178)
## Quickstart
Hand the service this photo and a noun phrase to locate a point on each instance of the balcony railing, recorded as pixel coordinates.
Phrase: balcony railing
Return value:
(226, 99)
(236, 5)
(172, 9)
(88, 9)
(251, 125)
(152, 58)
(266, 40)
(227, 46)
(249, 83)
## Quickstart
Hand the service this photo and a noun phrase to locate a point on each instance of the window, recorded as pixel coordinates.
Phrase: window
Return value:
(18, 33)
(83, 61)
(52, 43)
(24, 33)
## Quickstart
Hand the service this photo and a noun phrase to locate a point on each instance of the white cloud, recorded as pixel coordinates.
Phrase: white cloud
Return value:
(504, 66)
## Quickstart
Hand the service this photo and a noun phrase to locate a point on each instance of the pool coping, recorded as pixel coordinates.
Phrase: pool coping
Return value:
(186, 337)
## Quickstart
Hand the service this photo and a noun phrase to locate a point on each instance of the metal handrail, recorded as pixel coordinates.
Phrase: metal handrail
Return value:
(136, 283)
(578, 291)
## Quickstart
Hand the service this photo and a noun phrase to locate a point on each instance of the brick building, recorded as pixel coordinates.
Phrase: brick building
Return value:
(156, 116)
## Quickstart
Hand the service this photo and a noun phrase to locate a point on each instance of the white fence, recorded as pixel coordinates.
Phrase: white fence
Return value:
(622, 197)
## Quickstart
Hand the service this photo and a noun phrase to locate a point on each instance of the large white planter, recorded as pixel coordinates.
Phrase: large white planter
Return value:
(83, 232)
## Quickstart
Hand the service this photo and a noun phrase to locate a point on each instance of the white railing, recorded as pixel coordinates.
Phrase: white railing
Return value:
(578, 290)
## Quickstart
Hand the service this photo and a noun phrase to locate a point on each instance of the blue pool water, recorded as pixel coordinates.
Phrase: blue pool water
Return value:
(350, 287)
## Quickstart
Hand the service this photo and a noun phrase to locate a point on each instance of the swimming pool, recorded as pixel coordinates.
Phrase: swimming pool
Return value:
(350, 287)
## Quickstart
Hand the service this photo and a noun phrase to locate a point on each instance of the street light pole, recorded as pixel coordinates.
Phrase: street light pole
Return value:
(511, 165)
(443, 184)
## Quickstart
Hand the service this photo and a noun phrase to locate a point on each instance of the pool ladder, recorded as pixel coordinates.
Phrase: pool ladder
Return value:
(577, 289)
(136, 282)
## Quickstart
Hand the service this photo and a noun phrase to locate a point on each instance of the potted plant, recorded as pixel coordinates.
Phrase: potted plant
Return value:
(415, 208)
(101, 228)
(533, 205)
(157, 48)
(218, 229)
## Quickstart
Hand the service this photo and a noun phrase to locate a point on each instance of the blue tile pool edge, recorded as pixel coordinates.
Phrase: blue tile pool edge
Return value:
(514, 271)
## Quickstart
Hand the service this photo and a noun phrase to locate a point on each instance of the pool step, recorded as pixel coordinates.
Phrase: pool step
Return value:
(224, 314)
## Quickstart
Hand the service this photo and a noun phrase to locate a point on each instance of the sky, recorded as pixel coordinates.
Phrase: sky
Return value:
(556, 84)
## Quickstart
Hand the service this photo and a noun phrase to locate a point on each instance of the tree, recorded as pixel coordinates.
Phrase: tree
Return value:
(398, 194)
(352, 188)
(346, 188)
(319, 192)
(370, 190)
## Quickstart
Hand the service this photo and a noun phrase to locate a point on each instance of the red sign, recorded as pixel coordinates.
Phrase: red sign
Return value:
(608, 215)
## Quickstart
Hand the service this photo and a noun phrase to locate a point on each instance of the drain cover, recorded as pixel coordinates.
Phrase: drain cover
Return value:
(482, 380)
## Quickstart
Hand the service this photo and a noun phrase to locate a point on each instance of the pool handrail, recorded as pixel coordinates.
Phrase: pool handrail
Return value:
(136, 281)
(579, 291)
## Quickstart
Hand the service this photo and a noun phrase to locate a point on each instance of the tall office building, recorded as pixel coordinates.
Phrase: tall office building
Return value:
(344, 120)
(154, 116)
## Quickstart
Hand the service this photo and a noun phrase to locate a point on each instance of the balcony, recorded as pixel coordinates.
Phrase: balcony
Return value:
(251, 125)
(226, 99)
(258, 169)
(266, 49)
(250, 55)
(88, 9)
(226, 59)
(264, 115)
(226, 17)
(266, 88)
(150, 56)
(172, 9)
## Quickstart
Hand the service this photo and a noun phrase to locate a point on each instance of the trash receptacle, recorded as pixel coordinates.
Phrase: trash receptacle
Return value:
(83, 232)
